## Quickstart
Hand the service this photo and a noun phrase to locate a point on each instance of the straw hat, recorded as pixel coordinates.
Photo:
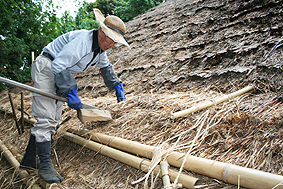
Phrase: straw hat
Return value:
(112, 26)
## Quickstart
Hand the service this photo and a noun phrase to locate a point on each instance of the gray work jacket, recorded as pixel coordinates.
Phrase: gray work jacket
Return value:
(74, 52)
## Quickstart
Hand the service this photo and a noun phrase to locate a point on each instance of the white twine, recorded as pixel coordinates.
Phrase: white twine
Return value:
(161, 152)
(201, 123)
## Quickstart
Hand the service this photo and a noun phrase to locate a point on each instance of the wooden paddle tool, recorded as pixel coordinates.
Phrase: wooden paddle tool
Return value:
(86, 113)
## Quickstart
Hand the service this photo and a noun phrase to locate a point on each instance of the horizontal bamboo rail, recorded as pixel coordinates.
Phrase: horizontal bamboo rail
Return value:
(134, 161)
(211, 103)
(138, 163)
(229, 173)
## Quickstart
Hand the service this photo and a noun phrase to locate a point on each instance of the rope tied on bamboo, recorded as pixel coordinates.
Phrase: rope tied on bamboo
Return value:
(230, 97)
(166, 175)
(140, 166)
(250, 178)
(154, 150)
(213, 101)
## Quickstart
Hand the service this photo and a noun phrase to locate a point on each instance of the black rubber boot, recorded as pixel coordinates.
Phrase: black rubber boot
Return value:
(29, 160)
(47, 171)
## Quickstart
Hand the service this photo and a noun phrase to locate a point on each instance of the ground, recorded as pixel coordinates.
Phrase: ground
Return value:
(183, 54)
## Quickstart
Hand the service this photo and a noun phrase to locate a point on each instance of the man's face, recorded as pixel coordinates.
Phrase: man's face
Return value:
(106, 42)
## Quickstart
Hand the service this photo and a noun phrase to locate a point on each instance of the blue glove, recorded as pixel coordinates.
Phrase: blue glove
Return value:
(73, 99)
(120, 92)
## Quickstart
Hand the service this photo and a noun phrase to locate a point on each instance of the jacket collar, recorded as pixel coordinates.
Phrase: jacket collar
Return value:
(95, 46)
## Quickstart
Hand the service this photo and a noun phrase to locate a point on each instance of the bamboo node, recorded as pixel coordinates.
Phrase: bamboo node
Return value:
(213, 101)
(166, 175)
(140, 166)
(226, 172)
(230, 97)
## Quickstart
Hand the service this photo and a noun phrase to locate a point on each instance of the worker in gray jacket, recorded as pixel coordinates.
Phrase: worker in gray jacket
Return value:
(73, 52)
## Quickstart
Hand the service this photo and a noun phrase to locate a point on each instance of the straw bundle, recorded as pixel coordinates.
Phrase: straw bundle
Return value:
(142, 164)
(244, 131)
(250, 178)
(15, 164)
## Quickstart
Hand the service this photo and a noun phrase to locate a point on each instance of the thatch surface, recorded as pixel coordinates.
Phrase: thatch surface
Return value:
(183, 53)
(244, 135)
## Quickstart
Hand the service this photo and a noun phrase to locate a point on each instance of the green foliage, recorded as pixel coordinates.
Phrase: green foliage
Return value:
(125, 9)
(85, 18)
(24, 27)
(14, 64)
(15, 50)
(28, 25)
(67, 22)
(132, 8)
(105, 6)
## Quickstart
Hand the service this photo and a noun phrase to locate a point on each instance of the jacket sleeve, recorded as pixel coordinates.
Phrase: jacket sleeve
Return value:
(107, 72)
(64, 83)
(110, 77)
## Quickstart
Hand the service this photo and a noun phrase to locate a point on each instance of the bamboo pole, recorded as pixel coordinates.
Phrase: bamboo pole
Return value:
(22, 112)
(14, 114)
(136, 162)
(122, 144)
(211, 103)
(16, 165)
(10, 157)
(165, 175)
(229, 173)
(32, 57)
(249, 178)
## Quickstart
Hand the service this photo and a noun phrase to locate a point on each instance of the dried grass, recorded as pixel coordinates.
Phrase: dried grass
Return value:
(245, 131)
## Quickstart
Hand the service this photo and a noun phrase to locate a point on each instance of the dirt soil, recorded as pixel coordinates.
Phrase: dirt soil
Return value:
(183, 53)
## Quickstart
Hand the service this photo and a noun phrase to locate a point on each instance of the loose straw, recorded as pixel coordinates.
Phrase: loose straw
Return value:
(9, 156)
(164, 172)
(134, 161)
(229, 173)
(204, 116)
(16, 165)
(211, 103)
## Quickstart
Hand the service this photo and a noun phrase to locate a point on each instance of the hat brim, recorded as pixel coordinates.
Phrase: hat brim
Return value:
(115, 36)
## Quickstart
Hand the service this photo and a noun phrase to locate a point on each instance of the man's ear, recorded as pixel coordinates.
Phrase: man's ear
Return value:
(100, 33)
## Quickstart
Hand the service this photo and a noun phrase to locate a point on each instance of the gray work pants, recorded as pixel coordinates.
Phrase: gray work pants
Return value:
(46, 111)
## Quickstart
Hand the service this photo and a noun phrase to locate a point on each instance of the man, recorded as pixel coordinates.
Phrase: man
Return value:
(73, 52)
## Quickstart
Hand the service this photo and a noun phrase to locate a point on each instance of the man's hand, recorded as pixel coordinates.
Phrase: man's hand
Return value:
(73, 99)
(120, 92)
